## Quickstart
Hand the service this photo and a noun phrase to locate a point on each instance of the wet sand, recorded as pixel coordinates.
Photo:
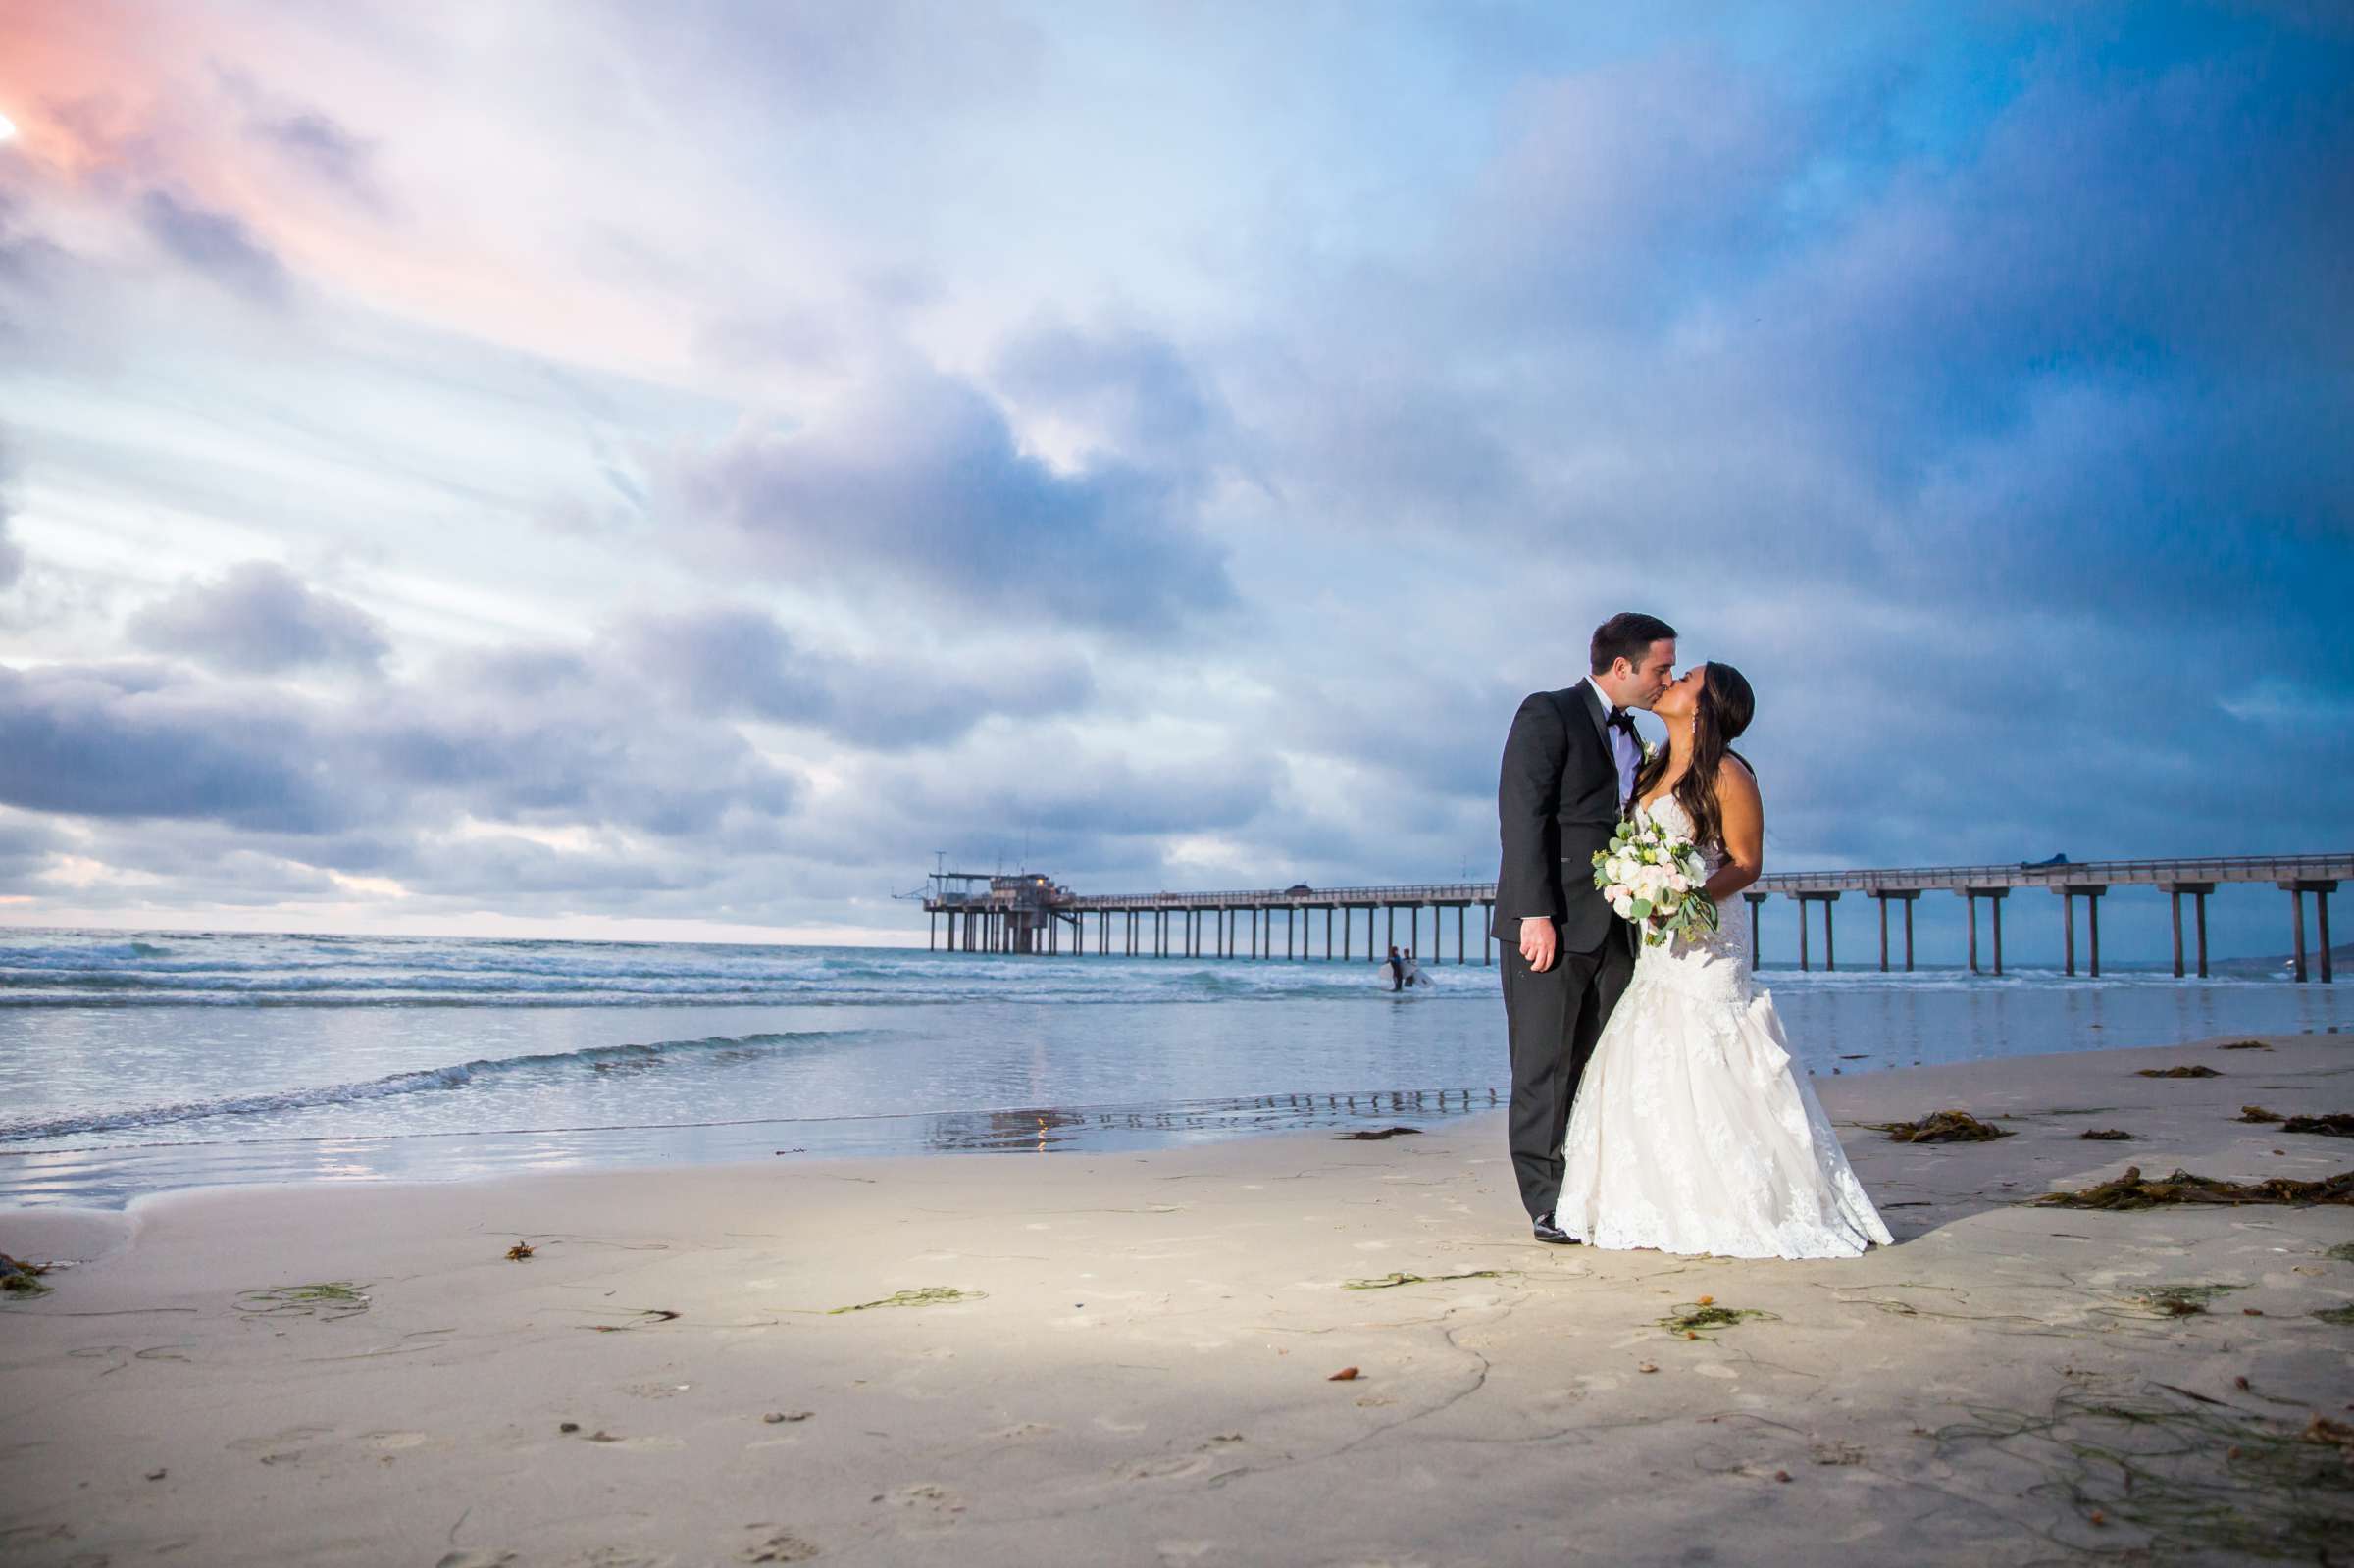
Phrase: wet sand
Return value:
(1138, 1366)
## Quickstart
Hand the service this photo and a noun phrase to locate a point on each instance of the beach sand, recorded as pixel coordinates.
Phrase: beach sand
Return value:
(1139, 1368)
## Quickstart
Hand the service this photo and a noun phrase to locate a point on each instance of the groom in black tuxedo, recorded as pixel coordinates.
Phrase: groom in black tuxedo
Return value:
(1568, 771)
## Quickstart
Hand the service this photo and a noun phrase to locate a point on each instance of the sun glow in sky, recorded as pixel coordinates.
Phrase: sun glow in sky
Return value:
(588, 466)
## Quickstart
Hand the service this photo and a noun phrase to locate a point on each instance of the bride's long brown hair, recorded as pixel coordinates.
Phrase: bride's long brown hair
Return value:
(1723, 710)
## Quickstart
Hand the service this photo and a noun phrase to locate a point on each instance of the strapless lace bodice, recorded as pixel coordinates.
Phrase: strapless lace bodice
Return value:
(1668, 814)
(1719, 964)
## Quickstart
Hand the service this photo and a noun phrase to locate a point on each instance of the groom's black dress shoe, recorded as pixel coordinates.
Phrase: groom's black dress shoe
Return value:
(1547, 1231)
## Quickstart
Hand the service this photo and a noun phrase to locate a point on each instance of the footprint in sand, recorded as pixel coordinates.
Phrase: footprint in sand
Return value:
(638, 1444)
(779, 1545)
(923, 1494)
(290, 1447)
(1020, 1428)
(475, 1559)
(1176, 1467)
(392, 1441)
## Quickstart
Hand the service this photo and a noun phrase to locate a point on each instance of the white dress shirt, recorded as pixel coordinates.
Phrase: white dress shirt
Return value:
(1626, 750)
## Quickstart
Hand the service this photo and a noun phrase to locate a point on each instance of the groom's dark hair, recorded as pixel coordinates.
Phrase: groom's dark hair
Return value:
(1627, 635)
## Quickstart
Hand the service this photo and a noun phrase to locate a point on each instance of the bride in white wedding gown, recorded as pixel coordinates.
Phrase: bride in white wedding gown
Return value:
(1693, 1130)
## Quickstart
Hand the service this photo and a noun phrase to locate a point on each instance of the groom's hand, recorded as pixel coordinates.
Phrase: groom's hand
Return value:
(1537, 942)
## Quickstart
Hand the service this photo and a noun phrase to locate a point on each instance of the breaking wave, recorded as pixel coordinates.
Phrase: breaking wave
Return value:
(422, 1080)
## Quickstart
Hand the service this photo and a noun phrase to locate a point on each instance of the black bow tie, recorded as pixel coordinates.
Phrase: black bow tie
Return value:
(1621, 719)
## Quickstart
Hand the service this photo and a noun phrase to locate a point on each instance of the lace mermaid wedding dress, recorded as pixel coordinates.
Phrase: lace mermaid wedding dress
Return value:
(1693, 1130)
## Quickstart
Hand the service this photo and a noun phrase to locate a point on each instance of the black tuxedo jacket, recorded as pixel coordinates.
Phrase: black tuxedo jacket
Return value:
(1557, 802)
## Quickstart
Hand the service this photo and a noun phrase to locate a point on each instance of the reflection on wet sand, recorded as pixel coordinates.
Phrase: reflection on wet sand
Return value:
(1048, 1129)
(108, 1178)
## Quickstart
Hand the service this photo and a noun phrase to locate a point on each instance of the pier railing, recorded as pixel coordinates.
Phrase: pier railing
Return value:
(1401, 893)
(1241, 922)
(2108, 872)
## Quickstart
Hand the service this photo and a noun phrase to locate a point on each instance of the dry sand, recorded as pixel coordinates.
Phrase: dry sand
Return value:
(1140, 1370)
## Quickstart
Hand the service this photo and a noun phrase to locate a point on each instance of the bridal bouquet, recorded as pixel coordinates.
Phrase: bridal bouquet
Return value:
(1653, 878)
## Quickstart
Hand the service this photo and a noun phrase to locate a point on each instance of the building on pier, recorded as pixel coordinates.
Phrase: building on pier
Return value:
(1030, 913)
(991, 912)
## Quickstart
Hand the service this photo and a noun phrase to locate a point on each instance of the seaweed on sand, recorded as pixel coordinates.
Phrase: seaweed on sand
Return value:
(2195, 1070)
(22, 1277)
(2343, 1253)
(1944, 1127)
(646, 1318)
(2200, 1477)
(928, 1296)
(1390, 1281)
(2338, 1317)
(2106, 1135)
(2338, 1124)
(2181, 1300)
(333, 1300)
(2245, 1045)
(2257, 1113)
(1704, 1319)
(1375, 1134)
(2132, 1191)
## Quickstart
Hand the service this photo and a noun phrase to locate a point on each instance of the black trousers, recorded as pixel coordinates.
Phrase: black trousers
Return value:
(1554, 1018)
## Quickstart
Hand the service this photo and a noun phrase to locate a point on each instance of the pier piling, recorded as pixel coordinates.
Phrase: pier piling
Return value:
(1905, 896)
(1994, 897)
(2321, 888)
(1830, 957)
(2092, 893)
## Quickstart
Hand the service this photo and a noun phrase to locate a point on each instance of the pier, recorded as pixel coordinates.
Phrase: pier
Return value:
(1031, 912)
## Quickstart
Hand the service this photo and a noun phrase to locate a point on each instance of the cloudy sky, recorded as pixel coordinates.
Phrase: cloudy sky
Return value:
(622, 469)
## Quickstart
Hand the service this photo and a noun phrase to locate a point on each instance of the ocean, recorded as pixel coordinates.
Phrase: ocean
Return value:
(134, 1063)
